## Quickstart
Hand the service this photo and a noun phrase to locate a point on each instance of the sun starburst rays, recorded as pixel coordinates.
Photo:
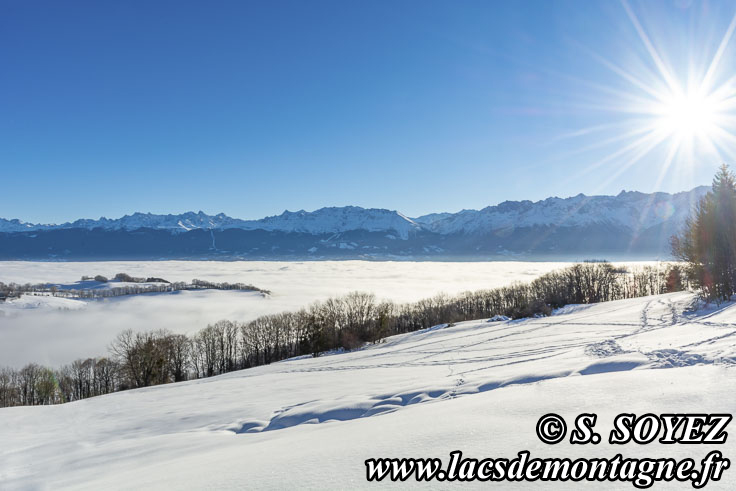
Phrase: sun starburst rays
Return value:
(653, 106)
(658, 115)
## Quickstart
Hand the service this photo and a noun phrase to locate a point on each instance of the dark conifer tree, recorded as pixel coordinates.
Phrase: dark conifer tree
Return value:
(708, 241)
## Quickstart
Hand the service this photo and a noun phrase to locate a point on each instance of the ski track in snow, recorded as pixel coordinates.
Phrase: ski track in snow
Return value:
(665, 312)
(454, 354)
(433, 368)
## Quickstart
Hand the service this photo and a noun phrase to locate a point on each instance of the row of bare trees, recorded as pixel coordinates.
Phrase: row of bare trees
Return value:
(141, 359)
(38, 385)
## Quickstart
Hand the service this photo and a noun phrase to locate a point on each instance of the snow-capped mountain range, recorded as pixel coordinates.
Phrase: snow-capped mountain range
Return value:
(631, 209)
(630, 223)
(628, 209)
(324, 220)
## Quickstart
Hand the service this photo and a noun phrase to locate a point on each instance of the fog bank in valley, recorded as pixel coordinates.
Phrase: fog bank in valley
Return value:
(59, 333)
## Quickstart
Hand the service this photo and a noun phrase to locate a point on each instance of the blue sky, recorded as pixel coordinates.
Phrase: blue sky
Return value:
(250, 108)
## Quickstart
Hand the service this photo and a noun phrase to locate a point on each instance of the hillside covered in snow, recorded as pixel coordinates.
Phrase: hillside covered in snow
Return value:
(478, 387)
(630, 223)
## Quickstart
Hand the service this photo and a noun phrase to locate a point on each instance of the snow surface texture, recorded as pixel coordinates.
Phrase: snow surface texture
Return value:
(310, 423)
(54, 337)
(632, 210)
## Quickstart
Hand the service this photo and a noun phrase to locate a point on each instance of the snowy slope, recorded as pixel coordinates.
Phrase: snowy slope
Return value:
(310, 423)
(432, 218)
(38, 301)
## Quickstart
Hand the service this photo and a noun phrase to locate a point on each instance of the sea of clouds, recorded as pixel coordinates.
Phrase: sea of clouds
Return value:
(56, 333)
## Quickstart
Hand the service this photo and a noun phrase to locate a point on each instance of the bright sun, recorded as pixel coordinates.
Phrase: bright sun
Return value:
(683, 110)
(686, 116)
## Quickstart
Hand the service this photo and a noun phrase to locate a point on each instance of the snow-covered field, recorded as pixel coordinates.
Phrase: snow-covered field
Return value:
(478, 387)
(53, 336)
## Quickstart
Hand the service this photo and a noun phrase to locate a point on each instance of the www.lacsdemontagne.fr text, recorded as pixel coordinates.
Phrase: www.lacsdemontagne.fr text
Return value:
(642, 473)
(552, 429)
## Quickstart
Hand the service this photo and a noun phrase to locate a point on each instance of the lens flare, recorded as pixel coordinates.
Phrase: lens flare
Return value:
(670, 103)
(686, 116)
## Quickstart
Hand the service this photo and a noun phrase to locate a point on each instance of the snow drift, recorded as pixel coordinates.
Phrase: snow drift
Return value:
(310, 423)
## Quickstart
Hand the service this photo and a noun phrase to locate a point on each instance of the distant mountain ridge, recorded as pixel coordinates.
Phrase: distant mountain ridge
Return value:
(630, 209)
(324, 220)
(631, 222)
